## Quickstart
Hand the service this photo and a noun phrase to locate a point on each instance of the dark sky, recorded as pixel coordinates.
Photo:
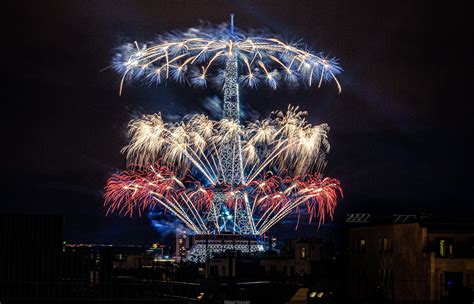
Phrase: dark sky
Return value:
(399, 130)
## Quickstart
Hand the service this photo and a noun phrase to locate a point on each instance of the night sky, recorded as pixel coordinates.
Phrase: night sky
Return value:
(399, 129)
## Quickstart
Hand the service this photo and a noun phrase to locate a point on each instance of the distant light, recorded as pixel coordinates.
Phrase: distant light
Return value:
(201, 294)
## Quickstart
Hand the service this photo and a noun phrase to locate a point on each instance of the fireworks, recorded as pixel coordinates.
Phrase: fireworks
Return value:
(273, 197)
(284, 141)
(177, 167)
(224, 176)
(197, 57)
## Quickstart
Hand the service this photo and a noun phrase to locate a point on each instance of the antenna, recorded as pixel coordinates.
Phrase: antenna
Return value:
(232, 25)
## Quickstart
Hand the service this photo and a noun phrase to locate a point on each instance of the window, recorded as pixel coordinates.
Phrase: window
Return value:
(385, 245)
(358, 246)
(453, 280)
(303, 252)
(445, 248)
(442, 248)
(362, 246)
(385, 274)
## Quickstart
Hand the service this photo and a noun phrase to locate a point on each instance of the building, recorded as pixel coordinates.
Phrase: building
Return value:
(299, 257)
(108, 271)
(414, 259)
(183, 243)
(87, 264)
(305, 256)
(233, 264)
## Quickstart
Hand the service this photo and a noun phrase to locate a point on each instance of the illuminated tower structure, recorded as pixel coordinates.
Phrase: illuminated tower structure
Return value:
(223, 217)
(240, 221)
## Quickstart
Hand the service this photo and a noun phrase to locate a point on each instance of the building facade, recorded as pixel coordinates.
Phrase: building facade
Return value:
(309, 256)
(422, 261)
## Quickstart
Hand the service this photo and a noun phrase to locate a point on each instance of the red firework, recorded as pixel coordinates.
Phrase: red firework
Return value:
(271, 198)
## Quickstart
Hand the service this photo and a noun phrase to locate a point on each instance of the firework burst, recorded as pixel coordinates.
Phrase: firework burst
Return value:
(273, 197)
(197, 56)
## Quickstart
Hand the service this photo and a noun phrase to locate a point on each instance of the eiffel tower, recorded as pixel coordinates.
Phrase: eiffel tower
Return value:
(240, 221)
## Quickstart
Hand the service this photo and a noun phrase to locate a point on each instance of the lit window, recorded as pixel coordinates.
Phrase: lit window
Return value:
(303, 252)
(442, 248)
(362, 246)
(445, 248)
